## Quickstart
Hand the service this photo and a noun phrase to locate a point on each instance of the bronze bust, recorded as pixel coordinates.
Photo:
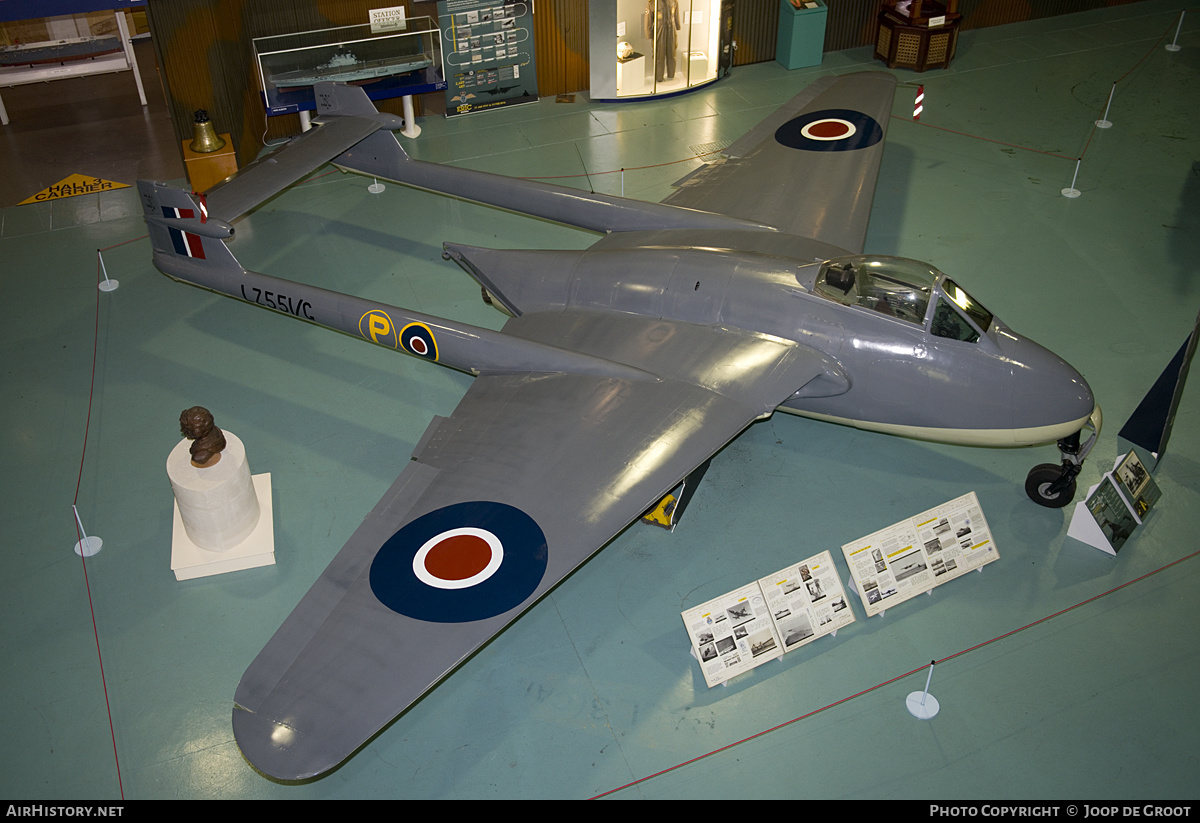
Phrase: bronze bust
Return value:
(197, 424)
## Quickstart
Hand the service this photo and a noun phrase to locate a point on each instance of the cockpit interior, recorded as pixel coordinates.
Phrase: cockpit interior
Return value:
(904, 289)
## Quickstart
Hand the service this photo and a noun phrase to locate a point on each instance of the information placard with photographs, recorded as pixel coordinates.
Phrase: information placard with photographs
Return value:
(732, 634)
(915, 555)
(763, 620)
(806, 601)
(1136, 485)
(489, 54)
(1116, 506)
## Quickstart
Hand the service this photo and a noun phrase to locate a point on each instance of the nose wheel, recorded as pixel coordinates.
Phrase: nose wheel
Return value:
(1053, 485)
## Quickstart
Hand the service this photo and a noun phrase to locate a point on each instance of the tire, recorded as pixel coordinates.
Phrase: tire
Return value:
(1038, 482)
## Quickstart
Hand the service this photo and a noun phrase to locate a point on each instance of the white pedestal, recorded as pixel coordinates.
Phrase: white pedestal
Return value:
(223, 518)
(631, 75)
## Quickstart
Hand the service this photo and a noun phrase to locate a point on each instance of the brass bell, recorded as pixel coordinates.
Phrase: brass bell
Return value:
(206, 138)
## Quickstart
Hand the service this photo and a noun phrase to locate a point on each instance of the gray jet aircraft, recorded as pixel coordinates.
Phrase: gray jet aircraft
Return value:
(622, 370)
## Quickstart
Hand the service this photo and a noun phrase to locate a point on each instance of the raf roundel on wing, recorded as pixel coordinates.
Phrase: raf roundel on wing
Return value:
(830, 130)
(464, 562)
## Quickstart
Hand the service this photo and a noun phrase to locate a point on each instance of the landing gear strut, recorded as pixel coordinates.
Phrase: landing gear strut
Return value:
(1053, 486)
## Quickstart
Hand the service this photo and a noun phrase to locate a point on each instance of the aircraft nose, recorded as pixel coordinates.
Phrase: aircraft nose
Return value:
(1051, 400)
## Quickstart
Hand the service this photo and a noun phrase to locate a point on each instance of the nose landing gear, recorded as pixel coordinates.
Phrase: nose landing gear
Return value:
(1053, 486)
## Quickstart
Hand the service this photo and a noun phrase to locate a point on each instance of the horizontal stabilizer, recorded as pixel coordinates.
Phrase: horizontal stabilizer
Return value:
(349, 118)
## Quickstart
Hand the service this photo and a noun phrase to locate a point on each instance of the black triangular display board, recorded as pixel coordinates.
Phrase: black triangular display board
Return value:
(1150, 424)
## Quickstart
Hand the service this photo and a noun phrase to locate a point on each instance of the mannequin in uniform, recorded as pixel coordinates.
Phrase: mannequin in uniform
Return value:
(661, 25)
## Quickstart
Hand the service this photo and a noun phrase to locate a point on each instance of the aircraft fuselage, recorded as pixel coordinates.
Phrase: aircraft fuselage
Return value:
(890, 371)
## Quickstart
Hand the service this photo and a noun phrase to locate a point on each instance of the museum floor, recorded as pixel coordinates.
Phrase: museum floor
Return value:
(1064, 672)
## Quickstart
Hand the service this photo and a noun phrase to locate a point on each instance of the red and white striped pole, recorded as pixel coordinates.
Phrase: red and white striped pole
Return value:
(919, 103)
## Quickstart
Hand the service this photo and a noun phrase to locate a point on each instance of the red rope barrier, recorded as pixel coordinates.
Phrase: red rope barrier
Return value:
(79, 531)
(891, 680)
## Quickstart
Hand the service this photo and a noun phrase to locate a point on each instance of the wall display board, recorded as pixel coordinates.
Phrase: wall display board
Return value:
(763, 620)
(915, 555)
(1115, 506)
(489, 54)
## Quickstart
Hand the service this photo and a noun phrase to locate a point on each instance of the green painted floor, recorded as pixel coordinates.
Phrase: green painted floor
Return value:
(593, 691)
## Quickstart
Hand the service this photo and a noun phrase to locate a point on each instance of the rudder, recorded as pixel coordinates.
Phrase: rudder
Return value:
(180, 228)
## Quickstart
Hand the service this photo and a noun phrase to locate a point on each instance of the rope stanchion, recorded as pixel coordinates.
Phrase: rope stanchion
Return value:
(1103, 122)
(107, 285)
(1071, 191)
(88, 545)
(919, 103)
(1174, 44)
(899, 677)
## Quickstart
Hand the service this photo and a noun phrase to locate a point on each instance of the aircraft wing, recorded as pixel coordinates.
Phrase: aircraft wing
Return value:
(530, 475)
(809, 169)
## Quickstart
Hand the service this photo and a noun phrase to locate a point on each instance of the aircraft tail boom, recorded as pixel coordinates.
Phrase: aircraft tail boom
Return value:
(380, 155)
(204, 260)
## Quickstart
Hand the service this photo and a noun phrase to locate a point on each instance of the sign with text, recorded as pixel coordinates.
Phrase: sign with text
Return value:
(489, 54)
(385, 20)
(915, 555)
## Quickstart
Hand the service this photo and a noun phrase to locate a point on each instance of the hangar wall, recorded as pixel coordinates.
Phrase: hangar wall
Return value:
(206, 61)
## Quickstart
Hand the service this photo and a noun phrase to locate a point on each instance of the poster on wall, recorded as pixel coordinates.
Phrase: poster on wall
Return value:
(489, 54)
(915, 555)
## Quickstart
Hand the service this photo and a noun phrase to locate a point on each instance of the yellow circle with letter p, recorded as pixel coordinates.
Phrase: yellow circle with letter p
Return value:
(377, 327)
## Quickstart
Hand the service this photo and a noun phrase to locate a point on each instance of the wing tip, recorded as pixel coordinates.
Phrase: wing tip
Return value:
(279, 751)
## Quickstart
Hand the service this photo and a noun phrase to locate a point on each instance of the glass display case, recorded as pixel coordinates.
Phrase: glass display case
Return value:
(388, 64)
(645, 48)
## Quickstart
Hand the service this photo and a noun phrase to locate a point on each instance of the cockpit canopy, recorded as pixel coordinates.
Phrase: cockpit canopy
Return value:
(902, 288)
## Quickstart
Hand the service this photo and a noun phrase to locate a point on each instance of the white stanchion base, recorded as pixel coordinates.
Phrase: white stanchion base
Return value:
(1173, 47)
(110, 285)
(1071, 192)
(88, 546)
(190, 561)
(376, 187)
(1103, 124)
(924, 712)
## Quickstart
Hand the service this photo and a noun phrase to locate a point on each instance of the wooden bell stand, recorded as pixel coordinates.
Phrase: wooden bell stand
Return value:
(917, 34)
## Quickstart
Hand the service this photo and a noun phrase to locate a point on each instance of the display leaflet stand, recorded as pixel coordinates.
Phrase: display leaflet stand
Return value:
(1115, 506)
(223, 517)
(916, 555)
(764, 620)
